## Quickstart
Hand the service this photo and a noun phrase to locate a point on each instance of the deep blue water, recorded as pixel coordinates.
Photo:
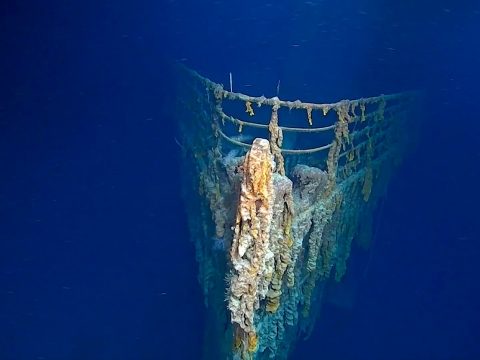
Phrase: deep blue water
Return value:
(95, 261)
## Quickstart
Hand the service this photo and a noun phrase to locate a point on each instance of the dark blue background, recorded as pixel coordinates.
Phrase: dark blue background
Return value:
(95, 261)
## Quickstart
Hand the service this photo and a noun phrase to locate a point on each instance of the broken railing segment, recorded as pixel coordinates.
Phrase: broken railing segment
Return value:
(272, 224)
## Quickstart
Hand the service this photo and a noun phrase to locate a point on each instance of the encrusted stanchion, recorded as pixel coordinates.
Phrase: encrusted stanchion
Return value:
(273, 221)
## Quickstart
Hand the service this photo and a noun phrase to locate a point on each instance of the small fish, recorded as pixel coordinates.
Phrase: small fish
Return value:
(179, 144)
(247, 139)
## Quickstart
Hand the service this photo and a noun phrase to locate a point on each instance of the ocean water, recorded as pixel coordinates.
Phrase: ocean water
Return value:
(95, 256)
